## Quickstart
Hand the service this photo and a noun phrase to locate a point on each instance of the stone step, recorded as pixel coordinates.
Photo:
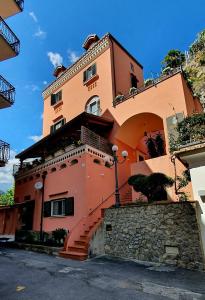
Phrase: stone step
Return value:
(82, 243)
(73, 255)
(79, 249)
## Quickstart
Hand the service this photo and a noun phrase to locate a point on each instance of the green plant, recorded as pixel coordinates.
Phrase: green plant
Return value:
(151, 147)
(174, 58)
(59, 235)
(148, 81)
(159, 144)
(181, 182)
(152, 186)
(8, 197)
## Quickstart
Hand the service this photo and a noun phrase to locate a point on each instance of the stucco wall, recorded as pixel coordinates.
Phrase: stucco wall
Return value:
(166, 233)
(198, 184)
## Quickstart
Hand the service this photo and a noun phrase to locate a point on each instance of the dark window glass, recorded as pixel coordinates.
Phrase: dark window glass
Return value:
(89, 73)
(133, 80)
(57, 125)
(55, 98)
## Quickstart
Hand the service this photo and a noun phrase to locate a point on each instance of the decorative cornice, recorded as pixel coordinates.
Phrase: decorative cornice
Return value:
(85, 59)
(62, 158)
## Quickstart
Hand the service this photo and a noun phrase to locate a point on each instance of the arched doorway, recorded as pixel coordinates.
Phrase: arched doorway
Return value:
(144, 134)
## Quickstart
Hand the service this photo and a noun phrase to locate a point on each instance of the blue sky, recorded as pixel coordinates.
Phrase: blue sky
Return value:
(53, 31)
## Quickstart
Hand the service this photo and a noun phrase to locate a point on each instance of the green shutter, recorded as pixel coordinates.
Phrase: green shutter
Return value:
(47, 209)
(84, 76)
(93, 69)
(60, 96)
(63, 122)
(53, 99)
(52, 129)
(69, 206)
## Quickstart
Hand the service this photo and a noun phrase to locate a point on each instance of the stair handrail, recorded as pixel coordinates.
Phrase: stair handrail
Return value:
(90, 213)
(113, 193)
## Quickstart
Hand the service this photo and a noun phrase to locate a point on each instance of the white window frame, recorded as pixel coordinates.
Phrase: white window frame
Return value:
(63, 208)
(95, 100)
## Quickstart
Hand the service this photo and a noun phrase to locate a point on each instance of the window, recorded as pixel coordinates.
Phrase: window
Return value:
(93, 106)
(57, 125)
(89, 73)
(59, 207)
(133, 80)
(55, 98)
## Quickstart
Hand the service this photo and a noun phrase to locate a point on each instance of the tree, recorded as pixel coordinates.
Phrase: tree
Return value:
(8, 197)
(173, 59)
(152, 186)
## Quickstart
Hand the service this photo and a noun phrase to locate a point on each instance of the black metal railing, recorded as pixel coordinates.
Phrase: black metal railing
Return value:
(152, 82)
(4, 152)
(9, 36)
(20, 3)
(7, 90)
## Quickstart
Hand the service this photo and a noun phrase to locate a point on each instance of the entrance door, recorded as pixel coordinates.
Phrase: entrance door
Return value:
(27, 215)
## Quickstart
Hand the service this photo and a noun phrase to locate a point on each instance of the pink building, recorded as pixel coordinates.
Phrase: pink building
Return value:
(98, 101)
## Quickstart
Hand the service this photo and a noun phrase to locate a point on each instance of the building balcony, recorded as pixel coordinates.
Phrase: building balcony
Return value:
(7, 93)
(9, 8)
(4, 153)
(9, 43)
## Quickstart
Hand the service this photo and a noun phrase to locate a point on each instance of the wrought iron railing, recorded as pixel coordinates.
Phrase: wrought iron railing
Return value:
(7, 90)
(4, 152)
(9, 36)
(20, 3)
(121, 98)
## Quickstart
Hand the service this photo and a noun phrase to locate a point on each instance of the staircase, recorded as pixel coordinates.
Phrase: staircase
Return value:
(78, 250)
(76, 245)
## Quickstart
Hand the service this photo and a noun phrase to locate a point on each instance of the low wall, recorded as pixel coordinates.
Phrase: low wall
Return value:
(165, 233)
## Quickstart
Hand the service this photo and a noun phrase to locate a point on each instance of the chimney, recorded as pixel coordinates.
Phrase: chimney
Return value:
(59, 70)
(90, 41)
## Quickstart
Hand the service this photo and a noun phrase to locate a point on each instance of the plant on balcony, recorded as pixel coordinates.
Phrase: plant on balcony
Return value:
(119, 98)
(151, 147)
(152, 186)
(189, 130)
(148, 81)
(174, 58)
(160, 146)
(133, 90)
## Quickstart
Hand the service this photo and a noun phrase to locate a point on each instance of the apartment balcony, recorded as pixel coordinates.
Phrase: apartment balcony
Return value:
(4, 153)
(7, 93)
(9, 8)
(9, 43)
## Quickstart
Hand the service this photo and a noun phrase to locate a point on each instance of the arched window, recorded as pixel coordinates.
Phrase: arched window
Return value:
(93, 106)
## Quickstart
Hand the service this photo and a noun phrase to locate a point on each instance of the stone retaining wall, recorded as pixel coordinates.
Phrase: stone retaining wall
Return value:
(165, 233)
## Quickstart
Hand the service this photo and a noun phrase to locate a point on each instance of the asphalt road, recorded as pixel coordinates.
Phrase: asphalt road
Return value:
(27, 275)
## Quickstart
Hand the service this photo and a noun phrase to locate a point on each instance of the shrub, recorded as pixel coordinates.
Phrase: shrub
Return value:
(152, 186)
(59, 235)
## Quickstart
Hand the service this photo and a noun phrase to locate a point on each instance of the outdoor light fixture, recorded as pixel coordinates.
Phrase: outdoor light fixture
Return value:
(115, 162)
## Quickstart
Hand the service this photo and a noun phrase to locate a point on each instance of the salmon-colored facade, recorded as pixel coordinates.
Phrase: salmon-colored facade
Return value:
(98, 101)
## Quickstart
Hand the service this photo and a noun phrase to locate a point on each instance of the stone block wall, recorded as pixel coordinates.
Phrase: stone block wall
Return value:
(163, 232)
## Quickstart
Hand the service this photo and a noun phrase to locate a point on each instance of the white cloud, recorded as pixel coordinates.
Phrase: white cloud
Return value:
(33, 16)
(35, 138)
(72, 56)
(40, 33)
(55, 58)
(32, 87)
(6, 173)
(42, 116)
(45, 82)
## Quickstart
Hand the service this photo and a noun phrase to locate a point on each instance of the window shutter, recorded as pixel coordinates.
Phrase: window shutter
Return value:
(94, 69)
(60, 96)
(53, 99)
(62, 122)
(84, 76)
(47, 209)
(52, 129)
(69, 206)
